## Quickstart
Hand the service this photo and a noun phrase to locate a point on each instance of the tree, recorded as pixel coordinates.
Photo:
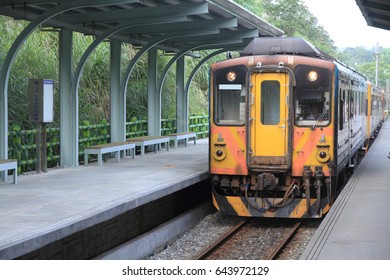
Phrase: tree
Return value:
(295, 19)
(363, 61)
(254, 6)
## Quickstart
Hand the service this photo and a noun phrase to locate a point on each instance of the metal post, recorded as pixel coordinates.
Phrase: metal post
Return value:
(118, 100)
(387, 95)
(154, 98)
(376, 69)
(181, 97)
(44, 148)
(68, 103)
(377, 51)
(38, 135)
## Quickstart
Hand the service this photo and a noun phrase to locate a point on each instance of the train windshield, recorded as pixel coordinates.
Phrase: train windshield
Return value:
(312, 96)
(230, 104)
(229, 96)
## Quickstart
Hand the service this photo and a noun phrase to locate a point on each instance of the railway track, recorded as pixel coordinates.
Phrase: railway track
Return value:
(284, 242)
(241, 234)
(223, 239)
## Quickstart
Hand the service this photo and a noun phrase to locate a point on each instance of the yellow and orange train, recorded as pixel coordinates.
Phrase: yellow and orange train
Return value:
(287, 123)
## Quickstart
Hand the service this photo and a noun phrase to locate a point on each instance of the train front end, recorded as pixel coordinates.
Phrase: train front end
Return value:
(269, 155)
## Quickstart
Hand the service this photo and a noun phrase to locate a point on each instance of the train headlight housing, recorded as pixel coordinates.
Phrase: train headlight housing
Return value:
(219, 154)
(312, 76)
(323, 156)
(231, 76)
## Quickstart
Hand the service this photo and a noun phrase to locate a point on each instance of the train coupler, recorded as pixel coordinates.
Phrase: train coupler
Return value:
(265, 180)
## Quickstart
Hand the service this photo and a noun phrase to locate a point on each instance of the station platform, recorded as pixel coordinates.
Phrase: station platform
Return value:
(358, 225)
(44, 208)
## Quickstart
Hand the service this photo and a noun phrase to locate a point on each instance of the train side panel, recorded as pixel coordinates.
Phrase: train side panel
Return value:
(351, 118)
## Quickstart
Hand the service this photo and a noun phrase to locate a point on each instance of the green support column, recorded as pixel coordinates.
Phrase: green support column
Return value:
(181, 97)
(68, 104)
(3, 122)
(118, 100)
(154, 98)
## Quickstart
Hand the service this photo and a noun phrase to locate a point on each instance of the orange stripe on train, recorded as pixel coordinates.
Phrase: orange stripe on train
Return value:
(305, 147)
(235, 140)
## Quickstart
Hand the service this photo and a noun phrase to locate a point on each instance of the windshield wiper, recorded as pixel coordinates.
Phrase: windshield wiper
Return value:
(318, 120)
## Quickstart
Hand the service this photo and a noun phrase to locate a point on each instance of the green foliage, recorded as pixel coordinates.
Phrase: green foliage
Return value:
(363, 61)
(37, 59)
(136, 98)
(254, 6)
(295, 19)
(199, 89)
(94, 90)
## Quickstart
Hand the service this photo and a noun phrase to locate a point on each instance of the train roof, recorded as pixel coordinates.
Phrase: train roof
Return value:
(293, 46)
(283, 45)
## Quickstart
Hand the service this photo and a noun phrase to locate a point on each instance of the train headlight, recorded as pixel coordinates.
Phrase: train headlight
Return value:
(231, 76)
(312, 76)
(219, 154)
(323, 156)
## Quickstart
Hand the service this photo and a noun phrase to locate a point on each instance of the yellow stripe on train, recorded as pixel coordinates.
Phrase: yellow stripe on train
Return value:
(235, 205)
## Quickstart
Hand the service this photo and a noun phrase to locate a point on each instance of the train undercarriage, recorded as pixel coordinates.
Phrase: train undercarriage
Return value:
(272, 195)
(278, 194)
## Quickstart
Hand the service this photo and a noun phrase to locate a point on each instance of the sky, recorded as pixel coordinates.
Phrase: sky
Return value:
(347, 27)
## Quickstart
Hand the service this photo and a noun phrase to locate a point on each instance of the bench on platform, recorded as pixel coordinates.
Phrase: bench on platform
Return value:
(9, 164)
(175, 137)
(144, 141)
(116, 147)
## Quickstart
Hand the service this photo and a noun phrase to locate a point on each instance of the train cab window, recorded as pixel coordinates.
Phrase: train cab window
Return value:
(314, 109)
(312, 96)
(270, 102)
(230, 104)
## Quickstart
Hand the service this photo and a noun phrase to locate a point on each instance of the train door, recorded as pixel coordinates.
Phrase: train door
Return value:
(349, 119)
(269, 129)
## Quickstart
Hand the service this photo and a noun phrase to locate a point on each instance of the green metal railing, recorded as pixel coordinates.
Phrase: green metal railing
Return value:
(200, 125)
(22, 143)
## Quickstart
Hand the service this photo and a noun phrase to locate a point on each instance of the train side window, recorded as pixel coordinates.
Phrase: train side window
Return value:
(346, 105)
(366, 106)
(230, 104)
(351, 105)
(270, 102)
(341, 110)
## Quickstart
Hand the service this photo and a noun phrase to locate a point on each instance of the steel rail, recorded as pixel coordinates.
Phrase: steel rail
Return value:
(284, 242)
(209, 250)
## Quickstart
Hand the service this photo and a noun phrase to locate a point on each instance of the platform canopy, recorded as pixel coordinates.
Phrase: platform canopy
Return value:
(219, 22)
(376, 12)
(178, 27)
